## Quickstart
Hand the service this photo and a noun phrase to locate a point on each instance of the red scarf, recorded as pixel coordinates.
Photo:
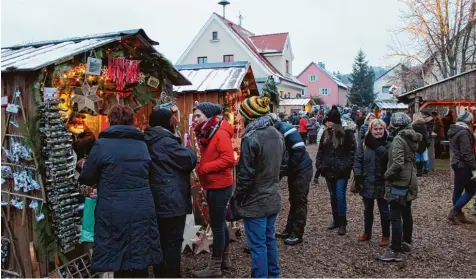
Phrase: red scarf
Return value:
(206, 130)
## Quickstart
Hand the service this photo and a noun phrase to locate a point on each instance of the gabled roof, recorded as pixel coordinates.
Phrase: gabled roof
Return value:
(245, 38)
(270, 43)
(34, 56)
(331, 76)
(213, 76)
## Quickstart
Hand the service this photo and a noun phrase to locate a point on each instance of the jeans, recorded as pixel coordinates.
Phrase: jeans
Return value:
(337, 190)
(298, 185)
(462, 182)
(135, 273)
(399, 213)
(263, 247)
(369, 216)
(171, 237)
(217, 201)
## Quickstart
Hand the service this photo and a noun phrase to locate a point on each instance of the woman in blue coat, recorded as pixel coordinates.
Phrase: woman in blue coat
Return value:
(126, 236)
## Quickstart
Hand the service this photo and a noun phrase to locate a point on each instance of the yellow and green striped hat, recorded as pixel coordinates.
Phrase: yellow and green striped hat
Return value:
(254, 107)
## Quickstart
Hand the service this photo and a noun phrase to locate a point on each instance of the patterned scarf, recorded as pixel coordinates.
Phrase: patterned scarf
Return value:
(206, 130)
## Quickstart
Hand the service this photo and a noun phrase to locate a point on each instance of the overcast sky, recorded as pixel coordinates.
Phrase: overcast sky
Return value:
(330, 31)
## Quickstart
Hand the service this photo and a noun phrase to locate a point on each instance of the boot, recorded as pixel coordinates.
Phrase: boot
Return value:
(342, 226)
(293, 239)
(335, 224)
(419, 172)
(453, 217)
(364, 237)
(213, 270)
(226, 263)
(284, 234)
(462, 218)
(385, 241)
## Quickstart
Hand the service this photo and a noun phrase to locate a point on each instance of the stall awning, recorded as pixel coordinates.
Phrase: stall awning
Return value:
(212, 76)
(296, 102)
(389, 105)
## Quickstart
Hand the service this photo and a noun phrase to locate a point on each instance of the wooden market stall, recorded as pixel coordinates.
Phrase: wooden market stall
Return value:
(288, 106)
(455, 92)
(227, 84)
(45, 85)
(379, 107)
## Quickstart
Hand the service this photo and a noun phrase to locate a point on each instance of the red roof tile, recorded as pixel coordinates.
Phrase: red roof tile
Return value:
(270, 42)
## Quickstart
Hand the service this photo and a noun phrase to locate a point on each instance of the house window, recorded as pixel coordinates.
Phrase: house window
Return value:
(287, 66)
(202, 60)
(214, 35)
(385, 89)
(324, 91)
(303, 92)
(313, 78)
(228, 58)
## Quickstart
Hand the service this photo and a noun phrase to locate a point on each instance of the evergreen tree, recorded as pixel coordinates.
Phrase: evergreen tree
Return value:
(271, 90)
(362, 79)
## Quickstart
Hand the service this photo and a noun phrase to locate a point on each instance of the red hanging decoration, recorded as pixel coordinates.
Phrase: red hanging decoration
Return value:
(123, 71)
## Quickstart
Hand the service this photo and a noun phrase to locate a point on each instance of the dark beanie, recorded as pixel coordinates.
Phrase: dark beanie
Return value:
(209, 109)
(161, 117)
(334, 116)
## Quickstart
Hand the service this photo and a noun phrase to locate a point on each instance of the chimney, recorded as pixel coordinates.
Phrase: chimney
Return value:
(322, 65)
(224, 3)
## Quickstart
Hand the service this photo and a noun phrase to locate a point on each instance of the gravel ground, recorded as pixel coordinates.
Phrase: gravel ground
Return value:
(440, 250)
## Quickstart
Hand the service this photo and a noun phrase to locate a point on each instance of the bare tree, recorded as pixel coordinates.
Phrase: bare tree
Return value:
(439, 35)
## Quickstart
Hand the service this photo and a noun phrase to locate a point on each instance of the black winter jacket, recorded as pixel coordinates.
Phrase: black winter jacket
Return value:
(299, 159)
(462, 146)
(126, 235)
(337, 163)
(370, 165)
(257, 189)
(169, 172)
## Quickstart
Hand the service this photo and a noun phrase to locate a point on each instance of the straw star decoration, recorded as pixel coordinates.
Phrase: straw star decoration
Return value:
(202, 243)
(85, 97)
(190, 232)
(233, 231)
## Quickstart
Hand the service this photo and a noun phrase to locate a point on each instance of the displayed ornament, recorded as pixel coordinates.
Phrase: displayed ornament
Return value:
(7, 172)
(202, 243)
(17, 204)
(85, 97)
(33, 204)
(104, 72)
(141, 78)
(20, 181)
(12, 108)
(93, 66)
(233, 231)
(60, 183)
(5, 252)
(190, 232)
(153, 82)
(122, 71)
(14, 123)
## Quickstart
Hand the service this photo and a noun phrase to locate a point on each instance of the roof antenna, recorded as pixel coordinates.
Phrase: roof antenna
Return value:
(240, 18)
(224, 3)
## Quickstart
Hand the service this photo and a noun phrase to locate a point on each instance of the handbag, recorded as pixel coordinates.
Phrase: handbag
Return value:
(354, 187)
(232, 211)
(87, 228)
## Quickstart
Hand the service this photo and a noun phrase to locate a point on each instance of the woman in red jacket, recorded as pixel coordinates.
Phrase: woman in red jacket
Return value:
(214, 171)
(303, 128)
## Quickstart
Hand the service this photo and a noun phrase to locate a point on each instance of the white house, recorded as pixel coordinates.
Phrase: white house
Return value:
(221, 40)
(389, 84)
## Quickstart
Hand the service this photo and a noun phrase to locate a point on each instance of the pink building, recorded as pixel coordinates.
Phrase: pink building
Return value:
(321, 83)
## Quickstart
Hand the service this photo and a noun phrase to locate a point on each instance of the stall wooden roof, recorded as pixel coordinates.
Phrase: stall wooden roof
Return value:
(459, 88)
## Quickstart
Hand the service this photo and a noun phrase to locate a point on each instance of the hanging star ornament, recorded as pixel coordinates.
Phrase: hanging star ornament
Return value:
(202, 243)
(190, 232)
(85, 97)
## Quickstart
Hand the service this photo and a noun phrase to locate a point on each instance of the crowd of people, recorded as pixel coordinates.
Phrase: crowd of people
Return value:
(144, 191)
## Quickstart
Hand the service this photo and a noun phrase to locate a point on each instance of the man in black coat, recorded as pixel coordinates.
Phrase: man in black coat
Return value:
(169, 174)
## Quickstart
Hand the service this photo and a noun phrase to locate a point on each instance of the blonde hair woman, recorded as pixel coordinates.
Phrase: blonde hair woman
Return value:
(369, 166)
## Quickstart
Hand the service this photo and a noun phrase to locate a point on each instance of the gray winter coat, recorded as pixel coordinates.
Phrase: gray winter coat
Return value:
(257, 189)
(371, 163)
(462, 146)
